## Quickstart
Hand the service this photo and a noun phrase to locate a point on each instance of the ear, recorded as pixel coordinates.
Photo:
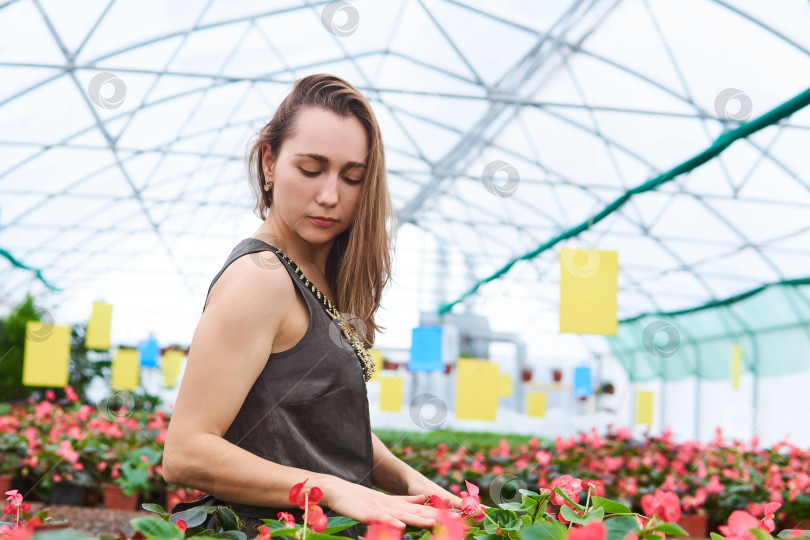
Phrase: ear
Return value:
(267, 161)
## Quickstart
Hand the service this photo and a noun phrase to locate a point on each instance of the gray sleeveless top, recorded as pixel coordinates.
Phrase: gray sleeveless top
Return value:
(307, 409)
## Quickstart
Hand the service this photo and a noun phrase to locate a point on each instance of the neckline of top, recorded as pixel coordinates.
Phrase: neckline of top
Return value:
(328, 305)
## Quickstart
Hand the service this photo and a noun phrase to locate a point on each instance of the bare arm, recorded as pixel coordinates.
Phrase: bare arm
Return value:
(229, 350)
(397, 477)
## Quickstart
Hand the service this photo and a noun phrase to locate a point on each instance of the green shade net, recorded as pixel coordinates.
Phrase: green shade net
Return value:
(769, 326)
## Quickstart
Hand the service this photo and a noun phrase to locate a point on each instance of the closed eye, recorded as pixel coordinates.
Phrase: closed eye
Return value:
(312, 174)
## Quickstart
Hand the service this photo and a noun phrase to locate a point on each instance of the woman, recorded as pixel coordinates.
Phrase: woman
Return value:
(274, 389)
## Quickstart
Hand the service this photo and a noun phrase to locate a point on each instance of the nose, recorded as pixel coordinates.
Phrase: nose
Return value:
(328, 194)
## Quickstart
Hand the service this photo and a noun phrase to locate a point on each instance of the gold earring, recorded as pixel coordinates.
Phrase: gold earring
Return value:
(268, 186)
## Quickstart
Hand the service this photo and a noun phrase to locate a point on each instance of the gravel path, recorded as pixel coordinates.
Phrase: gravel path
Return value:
(92, 520)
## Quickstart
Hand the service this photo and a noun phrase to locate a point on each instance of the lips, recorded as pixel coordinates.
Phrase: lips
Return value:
(322, 222)
(323, 218)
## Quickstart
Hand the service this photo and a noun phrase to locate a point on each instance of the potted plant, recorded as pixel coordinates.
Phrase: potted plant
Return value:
(63, 473)
(12, 453)
(797, 512)
(134, 477)
(556, 374)
(526, 374)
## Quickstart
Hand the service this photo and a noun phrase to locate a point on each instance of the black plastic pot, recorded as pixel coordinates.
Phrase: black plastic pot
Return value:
(67, 493)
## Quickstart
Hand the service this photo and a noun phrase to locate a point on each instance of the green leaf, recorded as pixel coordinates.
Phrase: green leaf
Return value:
(715, 536)
(570, 515)
(59, 534)
(761, 534)
(594, 514)
(619, 526)
(277, 527)
(156, 508)
(527, 520)
(786, 532)
(611, 507)
(529, 493)
(192, 517)
(544, 530)
(235, 535)
(562, 494)
(506, 520)
(155, 528)
(515, 506)
(319, 536)
(671, 528)
(651, 536)
(338, 523)
(227, 518)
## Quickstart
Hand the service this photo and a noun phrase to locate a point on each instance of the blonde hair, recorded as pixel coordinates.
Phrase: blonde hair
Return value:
(359, 266)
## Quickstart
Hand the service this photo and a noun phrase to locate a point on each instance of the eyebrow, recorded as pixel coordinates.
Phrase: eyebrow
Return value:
(324, 159)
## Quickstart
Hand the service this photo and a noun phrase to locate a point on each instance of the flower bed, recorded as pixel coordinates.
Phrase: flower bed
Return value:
(82, 446)
(714, 479)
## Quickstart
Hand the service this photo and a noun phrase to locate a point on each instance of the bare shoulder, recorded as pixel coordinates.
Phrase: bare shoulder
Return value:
(230, 346)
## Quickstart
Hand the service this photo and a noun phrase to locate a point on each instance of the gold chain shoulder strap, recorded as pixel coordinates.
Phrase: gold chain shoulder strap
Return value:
(345, 327)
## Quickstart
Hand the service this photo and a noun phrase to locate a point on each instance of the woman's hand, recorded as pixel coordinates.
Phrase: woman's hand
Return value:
(366, 505)
(422, 485)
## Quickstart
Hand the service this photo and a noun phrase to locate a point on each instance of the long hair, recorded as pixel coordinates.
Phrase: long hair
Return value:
(359, 266)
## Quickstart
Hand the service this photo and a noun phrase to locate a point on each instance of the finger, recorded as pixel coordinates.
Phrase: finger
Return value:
(412, 498)
(390, 521)
(418, 520)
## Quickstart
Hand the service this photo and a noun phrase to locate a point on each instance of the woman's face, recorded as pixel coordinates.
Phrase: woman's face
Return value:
(318, 173)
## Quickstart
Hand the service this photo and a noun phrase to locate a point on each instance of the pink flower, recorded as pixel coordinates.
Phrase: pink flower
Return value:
(264, 533)
(767, 510)
(591, 531)
(383, 531)
(70, 394)
(49, 395)
(449, 526)
(543, 458)
(594, 487)
(14, 497)
(182, 525)
(570, 486)
(714, 485)
(664, 504)
(298, 493)
(315, 518)
(287, 518)
(470, 505)
(739, 526)
(67, 452)
(439, 502)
